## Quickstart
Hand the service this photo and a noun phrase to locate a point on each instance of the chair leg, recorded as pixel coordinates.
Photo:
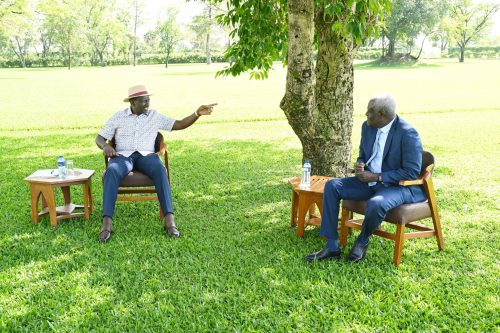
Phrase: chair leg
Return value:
(343, 227)
(398, 244)
(438, 230)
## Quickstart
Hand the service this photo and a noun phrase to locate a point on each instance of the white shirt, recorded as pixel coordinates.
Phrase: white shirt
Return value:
(135, 133)
(375, 164)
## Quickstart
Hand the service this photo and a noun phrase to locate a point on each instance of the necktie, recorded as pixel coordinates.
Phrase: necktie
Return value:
(375, 148)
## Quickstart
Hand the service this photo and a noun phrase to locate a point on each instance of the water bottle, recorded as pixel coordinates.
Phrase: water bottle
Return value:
(306, 174)
(61, 167)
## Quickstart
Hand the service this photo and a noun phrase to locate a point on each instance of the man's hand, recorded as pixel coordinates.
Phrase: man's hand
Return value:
(204, 110)
(359, 167)
(108, 151)
(364, 176)
(367, 176)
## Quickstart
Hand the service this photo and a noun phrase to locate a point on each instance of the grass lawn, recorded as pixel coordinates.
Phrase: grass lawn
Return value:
(238, 267)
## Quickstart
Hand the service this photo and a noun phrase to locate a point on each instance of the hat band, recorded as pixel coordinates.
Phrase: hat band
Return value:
(140, 93)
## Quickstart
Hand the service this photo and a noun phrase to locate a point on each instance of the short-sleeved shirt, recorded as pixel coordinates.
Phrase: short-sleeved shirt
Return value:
(135, 133)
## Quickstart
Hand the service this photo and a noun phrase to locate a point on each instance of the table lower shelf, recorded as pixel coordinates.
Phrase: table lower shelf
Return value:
(64, 212)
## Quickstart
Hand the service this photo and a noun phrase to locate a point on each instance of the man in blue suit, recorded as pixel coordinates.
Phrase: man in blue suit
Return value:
(390, 151)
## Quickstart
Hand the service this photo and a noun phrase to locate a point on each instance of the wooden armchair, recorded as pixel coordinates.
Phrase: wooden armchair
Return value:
(136, 186)
(403, 216)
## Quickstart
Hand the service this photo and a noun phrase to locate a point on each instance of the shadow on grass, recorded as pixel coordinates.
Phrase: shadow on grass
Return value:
(237, 266)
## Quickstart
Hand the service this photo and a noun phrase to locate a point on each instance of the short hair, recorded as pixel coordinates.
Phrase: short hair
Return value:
(384, 104)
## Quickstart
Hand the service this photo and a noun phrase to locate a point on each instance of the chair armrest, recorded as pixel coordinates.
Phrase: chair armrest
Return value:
(411, 182)
(424, 176)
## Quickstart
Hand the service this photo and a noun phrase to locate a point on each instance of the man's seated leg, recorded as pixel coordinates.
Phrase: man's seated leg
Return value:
(384, 199)
(152, 166)
(118, 168)
(335, 190)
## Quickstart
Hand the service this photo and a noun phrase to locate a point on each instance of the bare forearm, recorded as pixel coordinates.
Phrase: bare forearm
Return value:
(100, 141)
(186, 122)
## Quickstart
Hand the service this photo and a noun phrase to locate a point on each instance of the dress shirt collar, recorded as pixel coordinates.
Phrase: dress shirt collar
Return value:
(129, 112)
(387, 127)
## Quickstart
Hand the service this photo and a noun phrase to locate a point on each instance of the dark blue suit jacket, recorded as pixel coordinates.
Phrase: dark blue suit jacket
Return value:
(402, 158)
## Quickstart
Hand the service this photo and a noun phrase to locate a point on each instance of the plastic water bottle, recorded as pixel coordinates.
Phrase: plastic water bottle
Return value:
(61, 167)
(306, 174)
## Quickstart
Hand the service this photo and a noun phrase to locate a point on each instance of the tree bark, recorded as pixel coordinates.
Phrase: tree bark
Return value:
(334, 99)
(391, 48)
(136, 18)
(20, 52)
(462, 54)
(207, 44)
(319, 110)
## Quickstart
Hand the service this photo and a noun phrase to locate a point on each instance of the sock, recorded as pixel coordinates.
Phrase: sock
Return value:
(332, 244)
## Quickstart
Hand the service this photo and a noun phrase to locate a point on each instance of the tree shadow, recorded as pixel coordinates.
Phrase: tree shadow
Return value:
(237, 265)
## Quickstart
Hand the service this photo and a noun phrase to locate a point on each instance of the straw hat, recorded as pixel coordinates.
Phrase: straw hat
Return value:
(136, 91)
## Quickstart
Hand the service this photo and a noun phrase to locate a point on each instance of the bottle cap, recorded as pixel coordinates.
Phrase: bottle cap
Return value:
(307, 161)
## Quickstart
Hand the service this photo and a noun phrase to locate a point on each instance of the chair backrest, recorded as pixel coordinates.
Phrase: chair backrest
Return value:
(427, 159)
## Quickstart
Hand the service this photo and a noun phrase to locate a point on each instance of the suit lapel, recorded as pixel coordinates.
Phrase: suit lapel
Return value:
(371, 141)
(390, 135)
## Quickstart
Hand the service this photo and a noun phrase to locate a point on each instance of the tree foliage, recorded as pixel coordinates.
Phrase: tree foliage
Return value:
(470, 21)
(167, 34)
(260, 29)
(411, 18)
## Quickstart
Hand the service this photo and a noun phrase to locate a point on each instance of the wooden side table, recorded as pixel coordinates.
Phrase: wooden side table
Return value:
(303, 200)
(43, 183)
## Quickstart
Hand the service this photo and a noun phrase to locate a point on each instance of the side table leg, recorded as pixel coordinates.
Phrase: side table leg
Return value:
(89, 189)
(50, 200)
(35, 197)
(66, 194)
(304, 204)
(86, 200)
(343, 227)
(295, 206)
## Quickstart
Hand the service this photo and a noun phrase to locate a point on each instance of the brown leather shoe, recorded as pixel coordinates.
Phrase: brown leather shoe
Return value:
(106, 229)
(105, 235)
(170, 227)
(172, 231)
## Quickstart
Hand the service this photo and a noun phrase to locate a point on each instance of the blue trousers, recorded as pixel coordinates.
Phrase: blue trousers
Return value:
(119, 167)
(381, 199)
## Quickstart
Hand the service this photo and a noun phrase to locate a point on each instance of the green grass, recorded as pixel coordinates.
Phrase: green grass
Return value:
(238, 266)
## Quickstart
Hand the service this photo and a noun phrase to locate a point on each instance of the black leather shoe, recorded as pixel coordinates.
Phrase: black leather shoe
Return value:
(357, 253)
(325, 254)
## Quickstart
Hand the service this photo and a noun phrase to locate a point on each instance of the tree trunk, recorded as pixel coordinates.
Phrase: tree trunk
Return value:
(421, 48)
(334, 100)
(69, 55)
(135, 31)
(391, 48)
(462, 54)
(207, 44)
(318, 102)
(20, 52)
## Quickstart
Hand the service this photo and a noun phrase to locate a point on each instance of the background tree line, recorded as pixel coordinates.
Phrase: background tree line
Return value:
(99, 33)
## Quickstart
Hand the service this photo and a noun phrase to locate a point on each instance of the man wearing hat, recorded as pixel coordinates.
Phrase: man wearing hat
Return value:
(134, 130)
